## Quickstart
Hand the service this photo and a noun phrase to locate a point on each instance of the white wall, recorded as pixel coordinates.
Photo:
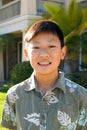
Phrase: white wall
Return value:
(1, 67)
(0, 3)
(23, 56)
(28, 7)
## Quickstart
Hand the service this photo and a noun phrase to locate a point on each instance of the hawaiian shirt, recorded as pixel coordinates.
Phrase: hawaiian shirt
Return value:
(64, 107)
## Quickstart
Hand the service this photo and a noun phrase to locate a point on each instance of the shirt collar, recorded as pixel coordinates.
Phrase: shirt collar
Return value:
(31, 83)
(60, 84)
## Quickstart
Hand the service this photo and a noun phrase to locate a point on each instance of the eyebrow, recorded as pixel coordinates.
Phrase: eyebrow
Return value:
(48, 40)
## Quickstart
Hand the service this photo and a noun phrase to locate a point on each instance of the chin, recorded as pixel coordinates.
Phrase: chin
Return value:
(46, 73)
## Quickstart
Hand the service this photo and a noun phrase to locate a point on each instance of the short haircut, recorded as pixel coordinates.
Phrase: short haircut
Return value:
(44, 26)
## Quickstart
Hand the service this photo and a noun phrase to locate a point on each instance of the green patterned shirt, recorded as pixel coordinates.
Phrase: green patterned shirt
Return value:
(64, 107)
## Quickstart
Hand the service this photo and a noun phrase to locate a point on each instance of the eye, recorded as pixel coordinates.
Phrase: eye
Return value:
(36, 47)
(52, 46)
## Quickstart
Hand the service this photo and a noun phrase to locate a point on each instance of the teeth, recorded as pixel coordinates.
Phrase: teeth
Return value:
(44, 63)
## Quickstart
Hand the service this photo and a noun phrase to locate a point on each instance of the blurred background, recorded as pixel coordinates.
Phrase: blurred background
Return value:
(16, 16)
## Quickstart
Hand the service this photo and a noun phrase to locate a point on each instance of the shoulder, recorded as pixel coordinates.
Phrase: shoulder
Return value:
(76, 89)
(16, 91)
(70, 84)
(18, 87)
(74, 86)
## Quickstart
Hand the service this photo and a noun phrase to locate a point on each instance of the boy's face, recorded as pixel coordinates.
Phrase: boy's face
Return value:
(44, 53)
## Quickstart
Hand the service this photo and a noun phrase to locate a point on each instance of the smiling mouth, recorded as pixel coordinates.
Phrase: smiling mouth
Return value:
(44, 63)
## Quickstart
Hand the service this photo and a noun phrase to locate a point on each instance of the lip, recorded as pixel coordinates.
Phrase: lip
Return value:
(44, 63)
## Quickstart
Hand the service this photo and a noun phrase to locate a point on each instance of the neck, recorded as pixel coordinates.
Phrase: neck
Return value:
(46, 82)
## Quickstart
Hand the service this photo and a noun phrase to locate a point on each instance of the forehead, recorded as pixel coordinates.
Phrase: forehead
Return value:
(42, 37)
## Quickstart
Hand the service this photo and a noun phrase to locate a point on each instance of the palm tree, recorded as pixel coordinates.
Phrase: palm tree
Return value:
(68, 19)
(83, 25)
(73, 21)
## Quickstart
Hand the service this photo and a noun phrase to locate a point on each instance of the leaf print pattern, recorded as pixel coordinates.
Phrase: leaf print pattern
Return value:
(8, 114)
(71, 126)
(51, 98)
(83, 118)
(71, 85)
(42, 127)
(65, 120)
(33, 118)
(7, 108)
(13, 97)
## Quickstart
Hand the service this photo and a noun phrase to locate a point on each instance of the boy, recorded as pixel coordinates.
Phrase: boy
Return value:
(47, 100)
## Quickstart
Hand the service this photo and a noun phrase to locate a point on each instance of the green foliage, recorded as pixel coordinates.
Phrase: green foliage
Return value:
(50, 10)
(4, 89)
(2, 98)
(80, 78)
(73, 47)
(84, 48)
(83, 24)
(68, 19)
(73, 22)
(21, 72)
(6, 39)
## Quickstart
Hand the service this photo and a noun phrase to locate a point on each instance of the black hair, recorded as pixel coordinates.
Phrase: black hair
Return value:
(46, 26)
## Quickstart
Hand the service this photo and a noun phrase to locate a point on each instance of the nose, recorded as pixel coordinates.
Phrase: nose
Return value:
(43, 53)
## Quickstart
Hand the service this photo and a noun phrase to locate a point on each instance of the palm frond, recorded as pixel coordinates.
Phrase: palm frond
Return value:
(68, 19)
(83, 24)
(51, 8)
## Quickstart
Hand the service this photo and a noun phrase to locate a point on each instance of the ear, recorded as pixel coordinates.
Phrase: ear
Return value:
(63, 52)
(26, 54)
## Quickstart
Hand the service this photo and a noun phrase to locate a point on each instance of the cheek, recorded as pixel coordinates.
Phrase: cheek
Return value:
(32, 54)
(57, 58)
(56, 55)
(33, 59)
